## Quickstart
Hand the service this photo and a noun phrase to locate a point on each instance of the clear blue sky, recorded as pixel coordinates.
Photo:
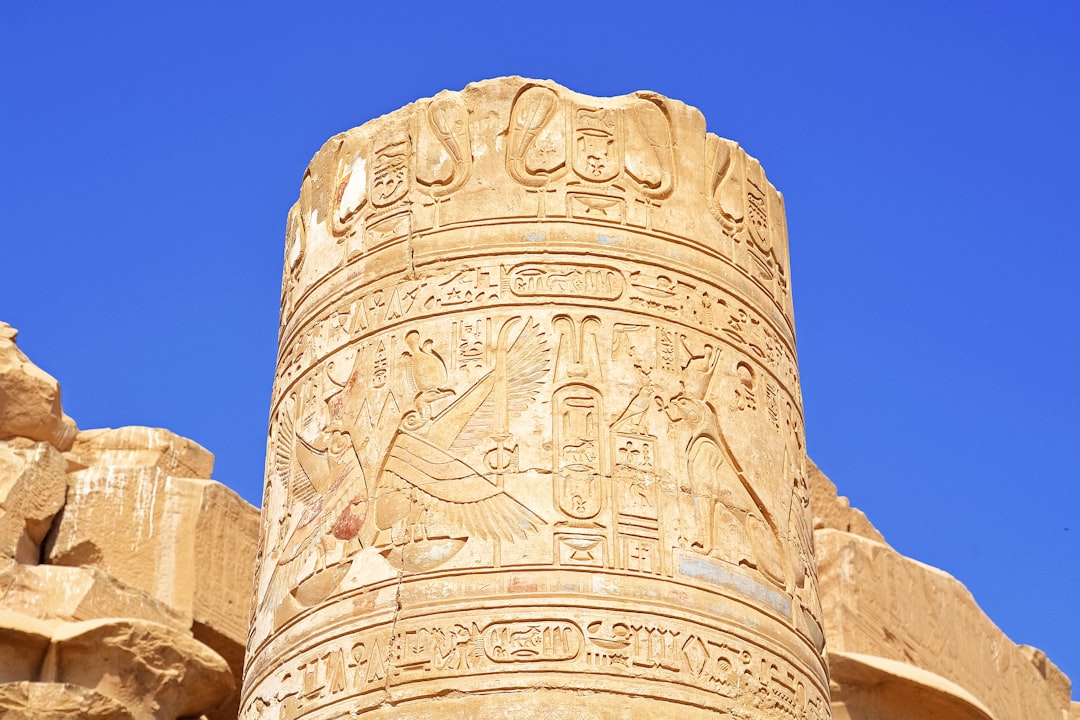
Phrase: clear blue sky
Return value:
(929, 154)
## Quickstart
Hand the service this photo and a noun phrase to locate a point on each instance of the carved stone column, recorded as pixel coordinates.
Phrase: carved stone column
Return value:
(536, 440)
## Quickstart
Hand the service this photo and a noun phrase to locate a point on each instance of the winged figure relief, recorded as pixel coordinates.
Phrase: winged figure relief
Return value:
(327, 487)
(429, 499)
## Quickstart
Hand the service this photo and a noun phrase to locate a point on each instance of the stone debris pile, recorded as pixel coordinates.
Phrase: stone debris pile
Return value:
(102, 612)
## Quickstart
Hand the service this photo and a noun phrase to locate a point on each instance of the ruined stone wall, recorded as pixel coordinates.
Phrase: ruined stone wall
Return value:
(536, 437)
(908, 641)
(125, 572)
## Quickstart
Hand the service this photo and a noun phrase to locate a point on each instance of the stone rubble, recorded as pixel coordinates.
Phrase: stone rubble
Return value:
(125, 571)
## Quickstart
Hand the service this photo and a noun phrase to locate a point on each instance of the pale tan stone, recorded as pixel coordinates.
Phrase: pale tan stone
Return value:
(832, 510)
(137, 525)
(30, 398)
(137, 560)
(536, 445)
(224, 547)
(866, 687)
(58, 701)
(880, 604)
(226, 536)
(143, 447)
(58, 592)
(24, 644)
(189, 543)
(153, 670)
(33, 484)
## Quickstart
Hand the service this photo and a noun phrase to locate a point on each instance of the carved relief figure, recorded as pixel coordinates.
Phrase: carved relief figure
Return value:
(426, 373)
(443, 166)
(535, 151)
(721, 512)
(731, 523)
(429, 500)
(327, 501)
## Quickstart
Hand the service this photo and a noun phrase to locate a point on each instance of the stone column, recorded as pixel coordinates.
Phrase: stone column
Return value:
(536, 444)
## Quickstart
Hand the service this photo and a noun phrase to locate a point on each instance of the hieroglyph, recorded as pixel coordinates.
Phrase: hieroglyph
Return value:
(536, 414)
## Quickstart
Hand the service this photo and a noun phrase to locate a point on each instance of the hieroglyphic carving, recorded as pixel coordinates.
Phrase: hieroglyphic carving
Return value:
(597, 143)
(517, 642)
(532, 369)
(471, 341)
(443, 166)
(622, 158)
(535, 148)
(665, 293)
(651, 127)
(542, 279)
(300, 216)
(750, 213)
(736, 673)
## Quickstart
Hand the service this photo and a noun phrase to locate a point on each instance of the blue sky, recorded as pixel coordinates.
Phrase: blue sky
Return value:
(928, 154)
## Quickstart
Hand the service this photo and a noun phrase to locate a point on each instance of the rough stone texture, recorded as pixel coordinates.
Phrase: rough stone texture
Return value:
(136, 524)
(536, 424)
(908, 641)
(33, 485)
(870, 687)
(57, 592)
(29, 398)
(225, 543)
(832, 510)
(186, 542)
(152, 670)
(142, 447)
(57, 701)
(124, 589)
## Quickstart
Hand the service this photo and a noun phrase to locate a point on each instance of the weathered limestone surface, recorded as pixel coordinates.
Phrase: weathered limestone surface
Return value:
(56, 592)
(832, 510)
(536, 443)
(51, 701)
(139, 447)
(33, 485)
(125, 573)
(29, 398)
(908, 641)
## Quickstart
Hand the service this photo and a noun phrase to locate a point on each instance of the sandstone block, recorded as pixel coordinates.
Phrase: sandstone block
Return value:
(137, 525)
(144, 447)
(832, 510)
(154, 671)
(30, 398)
(24, 643)
(226, 538)
(58, 592)
(58, 701)
(867, 687)
(224, 543)
(187, 543)
(33, 485)
(882, 606)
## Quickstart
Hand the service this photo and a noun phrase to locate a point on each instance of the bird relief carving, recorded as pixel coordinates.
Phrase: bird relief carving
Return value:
(435, 484)
(439, 482)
